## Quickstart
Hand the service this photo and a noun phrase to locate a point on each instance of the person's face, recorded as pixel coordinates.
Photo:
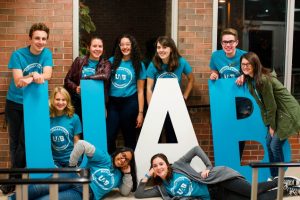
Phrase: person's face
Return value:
(122, 160)
(229, 44)
(96, 49)
(125, 46)
(60, 102)
(160, 167)
(163, 52)
(38, 42)
(247, 68)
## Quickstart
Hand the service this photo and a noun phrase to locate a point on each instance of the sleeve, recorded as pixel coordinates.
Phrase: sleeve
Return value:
(126, 185)
(103, 71)
(143, 73)
(151, 71)
(14, 61)
(48, 60)
(69, 84)
(142, 193)
(77, 125)
(81, 147)
(196, 151)
(212, 62)
(187, 69)
(269, 102)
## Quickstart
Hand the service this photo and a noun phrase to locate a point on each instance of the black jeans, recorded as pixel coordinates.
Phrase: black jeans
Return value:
(240, 189)
(15, 119)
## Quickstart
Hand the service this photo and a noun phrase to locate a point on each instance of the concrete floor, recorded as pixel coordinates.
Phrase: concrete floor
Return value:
(115, 195)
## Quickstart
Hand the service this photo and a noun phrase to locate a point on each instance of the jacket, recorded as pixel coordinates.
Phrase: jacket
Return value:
(279, 109)
(182, 166)
(72, 79)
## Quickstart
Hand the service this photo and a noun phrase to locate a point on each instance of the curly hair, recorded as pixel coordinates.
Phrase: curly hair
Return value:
(132, 164)
(173, 62)
(157, 180)
(258, 68)
(39, 27)
(69, 109)
(135, 54)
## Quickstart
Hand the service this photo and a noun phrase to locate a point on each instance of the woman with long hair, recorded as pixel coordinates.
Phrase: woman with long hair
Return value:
(125, 109)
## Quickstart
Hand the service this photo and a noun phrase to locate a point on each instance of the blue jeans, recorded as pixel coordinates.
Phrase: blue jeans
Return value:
(66, 191)
(121, 114)
(274, 145)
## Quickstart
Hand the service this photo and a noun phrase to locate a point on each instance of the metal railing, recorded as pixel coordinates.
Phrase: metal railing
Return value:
(281, 166)
(22, 183)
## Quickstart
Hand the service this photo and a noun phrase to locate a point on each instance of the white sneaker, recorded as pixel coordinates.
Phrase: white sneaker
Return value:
(293, 191)
(289, 181)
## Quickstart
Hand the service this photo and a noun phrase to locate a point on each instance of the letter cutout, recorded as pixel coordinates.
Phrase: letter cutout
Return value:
(93, 112)
(228, 131)
(37, 127)
(166, 97)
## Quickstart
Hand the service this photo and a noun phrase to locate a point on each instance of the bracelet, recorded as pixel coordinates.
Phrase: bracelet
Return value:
(147, 176)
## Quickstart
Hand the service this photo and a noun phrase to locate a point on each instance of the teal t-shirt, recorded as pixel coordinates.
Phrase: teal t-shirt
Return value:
(183, 68)
(104, 176)
(62, 130)
(90, 68)
(26, 61)
(227, 67)
(124, 80)
(182, 186)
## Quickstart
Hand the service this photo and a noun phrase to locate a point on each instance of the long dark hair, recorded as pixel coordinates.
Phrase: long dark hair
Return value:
(157, 180)
(258, 68)
(131, 163)
(174, 55)
(135, 54)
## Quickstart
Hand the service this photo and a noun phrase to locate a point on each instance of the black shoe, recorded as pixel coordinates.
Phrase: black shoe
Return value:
(6, 189)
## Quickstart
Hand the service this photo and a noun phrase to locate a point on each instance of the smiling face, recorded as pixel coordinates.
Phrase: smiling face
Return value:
(96, 49)
(163, 52)
(160, 167)
(125, 46)
(38, 42)
(229, 43)
(122, 160)
(247, 68)
(60, 103)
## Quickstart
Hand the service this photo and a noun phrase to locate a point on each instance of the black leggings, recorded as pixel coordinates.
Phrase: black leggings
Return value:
(240, 189)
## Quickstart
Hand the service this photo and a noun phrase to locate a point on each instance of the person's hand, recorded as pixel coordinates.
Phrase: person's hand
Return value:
(240, 80)
(139, 120)
(38, 78)
(214, 76)
(23, 82)
(271, 131)
(204, 173)
(126, 169)
(78, 89)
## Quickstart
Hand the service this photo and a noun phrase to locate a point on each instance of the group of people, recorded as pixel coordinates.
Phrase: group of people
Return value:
(124, 76)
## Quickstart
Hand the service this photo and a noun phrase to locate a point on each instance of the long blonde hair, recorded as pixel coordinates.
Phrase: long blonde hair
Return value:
(69, 110)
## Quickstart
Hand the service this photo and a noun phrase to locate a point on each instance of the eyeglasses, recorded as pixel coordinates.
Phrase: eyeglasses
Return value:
(230, 42)
(125, 45)
(246, 65)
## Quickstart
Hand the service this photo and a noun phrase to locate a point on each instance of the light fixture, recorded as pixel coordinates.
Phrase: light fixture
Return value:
(222, 1)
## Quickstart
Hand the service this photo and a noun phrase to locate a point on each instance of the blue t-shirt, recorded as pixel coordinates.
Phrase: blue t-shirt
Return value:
(183, 68)
(181, 185)
(124, 80)
(90, 68)
(104, 176)
(62, 130)
(227, 67)
(26, 61)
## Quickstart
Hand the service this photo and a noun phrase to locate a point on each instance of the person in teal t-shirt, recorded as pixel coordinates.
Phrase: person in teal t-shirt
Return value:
(65, 126)
(168, 63)
(126, 93)
(31, 64)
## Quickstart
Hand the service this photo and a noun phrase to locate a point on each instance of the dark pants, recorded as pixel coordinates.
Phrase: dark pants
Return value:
(240, 189)
(15, 119)
(121, 114)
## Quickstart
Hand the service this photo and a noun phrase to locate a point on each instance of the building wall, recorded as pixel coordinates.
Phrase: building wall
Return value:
(194, 43)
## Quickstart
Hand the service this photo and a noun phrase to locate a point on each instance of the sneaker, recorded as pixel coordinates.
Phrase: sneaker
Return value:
(6, 189)
(289, 181)
(293, 191)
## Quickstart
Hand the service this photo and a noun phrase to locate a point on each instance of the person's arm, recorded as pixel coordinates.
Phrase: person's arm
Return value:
(197, 151)
(20, 80)
(141, 101)
(142, 193)
(150, 85)
(103, 71)
(69, 83)
(81, 147)
(189, 86)
(126, 185)
(40, 78)
(214, 75)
